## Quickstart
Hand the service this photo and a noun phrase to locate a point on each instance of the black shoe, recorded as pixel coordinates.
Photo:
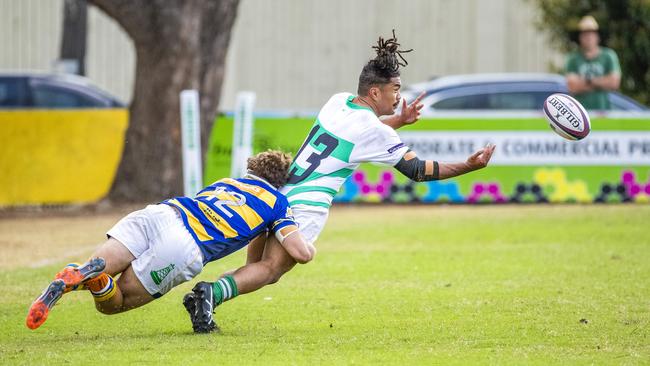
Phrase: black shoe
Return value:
(189, 301)
(200, 305)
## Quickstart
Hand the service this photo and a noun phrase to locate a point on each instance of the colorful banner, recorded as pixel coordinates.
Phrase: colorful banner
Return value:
(534, 147)
(531, 163)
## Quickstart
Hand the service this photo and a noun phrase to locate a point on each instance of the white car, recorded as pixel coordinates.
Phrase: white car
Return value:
(507, 91)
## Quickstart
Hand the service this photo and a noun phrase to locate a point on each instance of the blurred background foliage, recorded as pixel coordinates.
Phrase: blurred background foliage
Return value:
(624, 27)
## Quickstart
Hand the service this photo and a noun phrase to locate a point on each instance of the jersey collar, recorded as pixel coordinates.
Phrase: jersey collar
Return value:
(249, 175)
(356, 106)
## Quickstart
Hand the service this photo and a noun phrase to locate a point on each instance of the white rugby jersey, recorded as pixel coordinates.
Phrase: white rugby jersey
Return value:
(344, 135)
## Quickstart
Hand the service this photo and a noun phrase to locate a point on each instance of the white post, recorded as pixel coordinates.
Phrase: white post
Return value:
(242, 138)
(191, 142)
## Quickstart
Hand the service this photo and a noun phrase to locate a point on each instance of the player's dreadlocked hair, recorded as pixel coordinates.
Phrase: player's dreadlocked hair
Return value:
(384, 66)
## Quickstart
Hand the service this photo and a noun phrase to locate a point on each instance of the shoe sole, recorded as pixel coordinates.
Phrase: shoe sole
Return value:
(40, 309)
(74, 276)
(202, 292)
(72, 288)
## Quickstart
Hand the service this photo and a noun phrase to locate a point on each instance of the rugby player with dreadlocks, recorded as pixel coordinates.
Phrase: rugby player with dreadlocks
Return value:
(347, 132)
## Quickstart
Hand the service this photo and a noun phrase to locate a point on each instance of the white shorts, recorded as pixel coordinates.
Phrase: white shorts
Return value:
(311, 220)
(165, 253)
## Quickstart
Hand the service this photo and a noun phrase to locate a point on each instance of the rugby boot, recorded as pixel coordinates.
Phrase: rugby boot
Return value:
(40, 308)
(73, 276)
(73, 288)
(202, 320)
(189, 301)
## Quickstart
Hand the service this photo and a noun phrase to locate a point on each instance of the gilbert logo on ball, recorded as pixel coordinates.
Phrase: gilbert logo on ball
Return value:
(566, 116)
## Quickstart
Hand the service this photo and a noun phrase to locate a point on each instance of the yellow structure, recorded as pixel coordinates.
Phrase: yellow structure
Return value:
(59, 156)
(563, 189)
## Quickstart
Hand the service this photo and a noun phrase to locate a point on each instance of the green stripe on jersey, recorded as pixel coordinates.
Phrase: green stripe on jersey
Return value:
(309, 203)
(298, 190)
(343, 149)
(356, 106)
(341, 173)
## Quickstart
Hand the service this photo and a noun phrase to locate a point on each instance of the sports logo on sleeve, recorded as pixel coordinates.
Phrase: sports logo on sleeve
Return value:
(395, 148)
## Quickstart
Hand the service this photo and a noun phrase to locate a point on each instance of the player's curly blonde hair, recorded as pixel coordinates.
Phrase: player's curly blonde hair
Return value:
(272, 166)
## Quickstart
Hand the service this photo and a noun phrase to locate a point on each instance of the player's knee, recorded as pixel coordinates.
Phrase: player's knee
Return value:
(277, 272)
(272, 272)
(274, 278)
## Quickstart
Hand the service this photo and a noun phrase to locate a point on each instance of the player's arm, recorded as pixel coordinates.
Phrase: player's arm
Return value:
(298, 248)
(425, 170)
(256, 249)
(253, 252)
(408, 115)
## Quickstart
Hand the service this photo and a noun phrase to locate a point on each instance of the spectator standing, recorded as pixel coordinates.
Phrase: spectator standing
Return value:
(592, 70)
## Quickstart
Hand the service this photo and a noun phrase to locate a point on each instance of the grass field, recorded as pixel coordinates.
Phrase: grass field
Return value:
(391, 285)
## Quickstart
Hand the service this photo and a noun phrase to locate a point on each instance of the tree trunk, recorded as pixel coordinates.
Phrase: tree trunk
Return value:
(179, 45)
(73, 40)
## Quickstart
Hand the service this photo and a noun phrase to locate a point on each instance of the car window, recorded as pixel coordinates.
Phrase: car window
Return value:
(48, 96)
(619, 102)
(477, 101)
(522, 100)
(13, 92)
(514, 100)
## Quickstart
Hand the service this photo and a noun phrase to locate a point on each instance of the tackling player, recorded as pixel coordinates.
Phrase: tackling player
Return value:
(347, 132)
(166, 244)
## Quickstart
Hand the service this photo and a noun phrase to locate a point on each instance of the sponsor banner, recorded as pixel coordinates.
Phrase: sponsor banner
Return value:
(534, 147)
(531, 164)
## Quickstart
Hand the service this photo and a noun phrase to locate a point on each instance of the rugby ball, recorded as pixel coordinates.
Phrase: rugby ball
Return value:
(567, 117)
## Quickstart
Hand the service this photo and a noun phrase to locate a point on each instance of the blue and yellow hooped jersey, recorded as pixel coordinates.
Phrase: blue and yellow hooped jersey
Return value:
(225, 216)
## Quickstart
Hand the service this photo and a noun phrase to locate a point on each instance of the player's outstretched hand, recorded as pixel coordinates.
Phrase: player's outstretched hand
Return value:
(481, 158)
(411, 113)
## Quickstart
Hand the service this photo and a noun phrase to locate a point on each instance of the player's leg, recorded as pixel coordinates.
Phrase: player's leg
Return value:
(40, 308)
(116, 255)
(107, 258)
(112, 257)
(170, 257)
(127, 293)
(206, 296)
(275, 262)
(106, 290)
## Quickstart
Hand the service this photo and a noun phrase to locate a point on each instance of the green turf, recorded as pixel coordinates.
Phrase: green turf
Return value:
(397, 285)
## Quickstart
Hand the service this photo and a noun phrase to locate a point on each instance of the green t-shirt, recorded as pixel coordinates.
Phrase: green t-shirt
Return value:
(604, 64)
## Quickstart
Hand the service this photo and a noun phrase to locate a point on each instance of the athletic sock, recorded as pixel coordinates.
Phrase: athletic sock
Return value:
(103, 287)
(224, 289)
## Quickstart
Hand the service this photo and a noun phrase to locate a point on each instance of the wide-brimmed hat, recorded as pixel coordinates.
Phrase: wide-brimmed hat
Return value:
(588, 24)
